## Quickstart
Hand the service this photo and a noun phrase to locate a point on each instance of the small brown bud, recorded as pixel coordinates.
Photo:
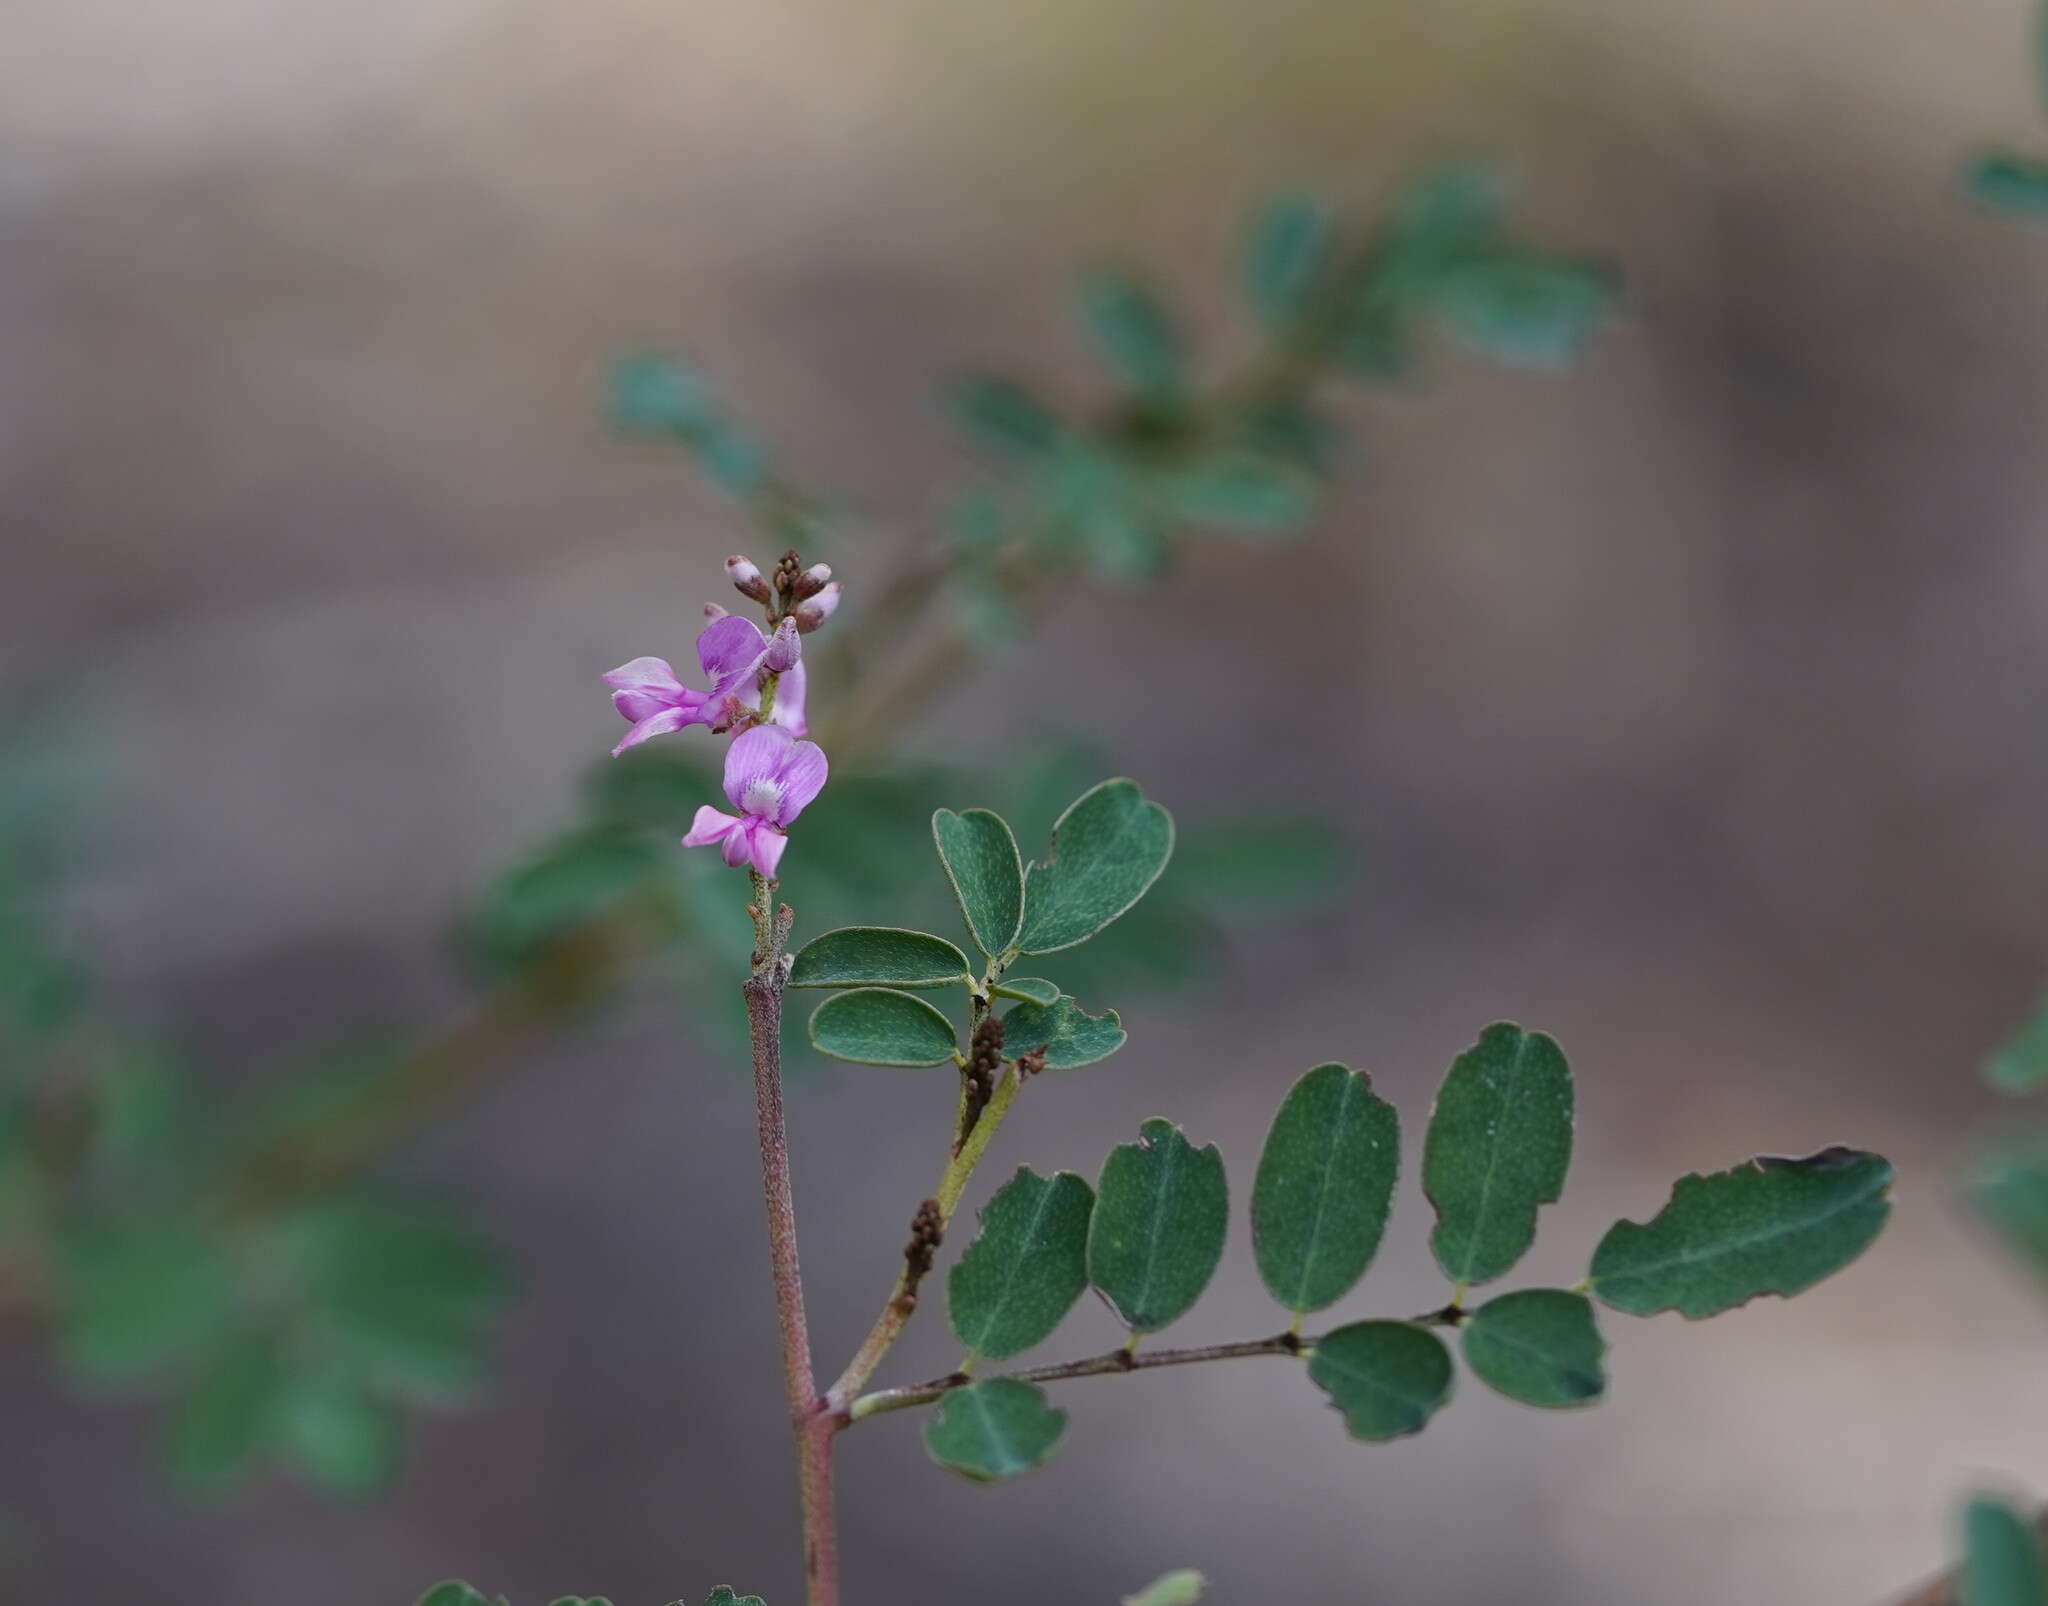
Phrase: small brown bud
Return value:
(927, 1232)
(978, 1079)
(746, 579)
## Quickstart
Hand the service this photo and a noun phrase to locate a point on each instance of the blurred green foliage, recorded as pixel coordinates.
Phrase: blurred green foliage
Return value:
(297, 1336)
(2011, 181)
(229, 1258)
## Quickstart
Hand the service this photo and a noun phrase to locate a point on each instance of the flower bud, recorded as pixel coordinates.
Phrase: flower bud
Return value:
(812, 580)
(713, 611)
(788, 568)
(785, 647)
(746, 578)
(814, 612)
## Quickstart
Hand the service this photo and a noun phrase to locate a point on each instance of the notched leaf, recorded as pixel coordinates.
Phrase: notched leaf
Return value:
(1772, 1225)
(997, 1428)
(1069, 1036)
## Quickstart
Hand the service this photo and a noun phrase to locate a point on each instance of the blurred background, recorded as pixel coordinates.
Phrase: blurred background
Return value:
(1684, 704)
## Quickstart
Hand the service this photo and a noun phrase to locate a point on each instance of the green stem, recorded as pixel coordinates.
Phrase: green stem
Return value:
(902, 1302)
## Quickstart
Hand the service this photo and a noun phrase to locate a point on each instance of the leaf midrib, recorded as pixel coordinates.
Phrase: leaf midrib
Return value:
(1315, 1231)
(1026, 1253)
(1509, 1102)
(1749, 1240)
(1169, 1152)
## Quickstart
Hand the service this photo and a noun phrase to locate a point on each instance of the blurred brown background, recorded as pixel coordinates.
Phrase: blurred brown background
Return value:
(1687, 706)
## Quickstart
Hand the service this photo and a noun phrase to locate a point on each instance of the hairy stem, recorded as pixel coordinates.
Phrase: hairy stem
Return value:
(902, 1303)
(809, 1421)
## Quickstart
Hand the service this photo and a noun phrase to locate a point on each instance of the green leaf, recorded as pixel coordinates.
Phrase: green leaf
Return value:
(986, 872)
(1388, 1378)
(1162, 1209)
(1376, 338)
(2009, 182)
(1242, 491)
(860, 956)
(1070, 1036)
(1181, 1588)
(1031, 989)
(1539, 1346)
(1500, 1140)
(343, 1436)
(1026, 1266)
(1298, 434)
(1278, 861)
(456, 1593)
(1004, 416)
(572, 880)
(2002, 1563)
(1134, 331)
(653, 394)
(988, 615)
(1107, 849)
(659, 395)
(1524, 306)
(1288, 258)
(2009, 1189)
(224, 1423)
(723, 1596)
(993, 1429)
(1769, 1226)
(1124, 542)
(138, 1294)
(404, 1292)
(878, 1026)
(1325, 1184)
(2021, 1063)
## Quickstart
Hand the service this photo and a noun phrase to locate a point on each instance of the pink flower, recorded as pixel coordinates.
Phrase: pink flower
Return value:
(732, 651)
(769, 777)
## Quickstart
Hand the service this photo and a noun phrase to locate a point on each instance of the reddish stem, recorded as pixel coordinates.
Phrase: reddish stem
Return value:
(810, 1420)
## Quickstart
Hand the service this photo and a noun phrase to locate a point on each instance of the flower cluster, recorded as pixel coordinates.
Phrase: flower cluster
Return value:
(758, 689)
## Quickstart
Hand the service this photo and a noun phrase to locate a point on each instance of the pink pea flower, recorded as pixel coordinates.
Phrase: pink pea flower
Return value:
(732, 651)
(769, 777)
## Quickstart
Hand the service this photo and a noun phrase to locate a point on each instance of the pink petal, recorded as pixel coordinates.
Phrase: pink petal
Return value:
(639, 705)
(765, 844)
(790, 693)
(802, 773)
(709, 826)
(659, 723)
(739, 845)
(754, 755)
(729, 647)
(644, 674)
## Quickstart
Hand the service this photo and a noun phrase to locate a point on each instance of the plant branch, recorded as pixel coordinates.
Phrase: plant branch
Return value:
(808, 1420)
(1122, 1359)
(902, 1301)
(1117, 1360)
(340, 1141)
